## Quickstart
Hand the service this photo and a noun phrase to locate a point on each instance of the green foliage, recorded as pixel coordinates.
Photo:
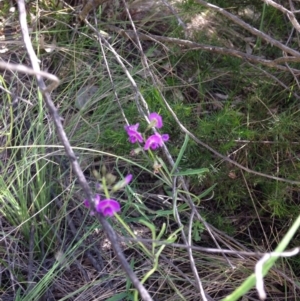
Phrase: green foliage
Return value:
(228, 104)
(198, 228)
(25, 200)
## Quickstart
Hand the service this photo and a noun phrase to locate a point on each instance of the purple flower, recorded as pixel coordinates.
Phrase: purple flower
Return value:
(108, 207)
(156, 120)
(133, 127)
(155, 141)
(127, 179)
(132, 132)
(122, 183)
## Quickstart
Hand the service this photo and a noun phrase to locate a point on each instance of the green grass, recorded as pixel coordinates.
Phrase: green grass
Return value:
(225, 102)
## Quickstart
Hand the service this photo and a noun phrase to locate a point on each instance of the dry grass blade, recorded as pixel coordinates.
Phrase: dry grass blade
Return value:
(203, 208)
(64, 139)
(190, 45)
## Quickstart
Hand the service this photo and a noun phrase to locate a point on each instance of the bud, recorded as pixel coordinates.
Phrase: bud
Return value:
(98, 187)
(110, 178)
(103, 170)
(156, 167)
(96, 174)
(122, 183)
(136, 151)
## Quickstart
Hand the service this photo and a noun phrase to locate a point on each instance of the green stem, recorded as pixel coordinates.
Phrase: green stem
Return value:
(105, 188)
(132, 234)
(251, 280)
(9, 135)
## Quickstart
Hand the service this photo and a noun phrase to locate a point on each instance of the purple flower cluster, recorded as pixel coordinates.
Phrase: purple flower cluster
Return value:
(108, 207)
(152, 142)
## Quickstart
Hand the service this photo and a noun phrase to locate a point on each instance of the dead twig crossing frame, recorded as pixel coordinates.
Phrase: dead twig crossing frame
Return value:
(144, 294)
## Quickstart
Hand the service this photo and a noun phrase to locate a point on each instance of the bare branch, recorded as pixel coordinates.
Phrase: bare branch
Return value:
(215, 49)
(89, 6)
(171, 8)
(251, 29)
(25, 69)
(209, 48)
(69, 151)
(289, 14)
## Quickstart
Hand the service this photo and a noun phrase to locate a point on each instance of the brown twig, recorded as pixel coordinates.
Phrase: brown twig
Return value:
(188, 200)
(110, 77)
(183, 128)
(173, 11)
(89, 6)
(198, 141)
(251, 29)
(273, 77)
(287, 12)
(215, 49)
(69, 151)
(26, 70)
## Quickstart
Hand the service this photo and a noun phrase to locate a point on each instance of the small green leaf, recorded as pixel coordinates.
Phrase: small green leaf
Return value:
(207, 191)
(118, 297)
(190, 172)
(182, 150)
(162, 231)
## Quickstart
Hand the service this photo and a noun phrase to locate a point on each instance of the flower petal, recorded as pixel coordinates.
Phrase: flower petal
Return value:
(128, 179)
(157, 119)
(165, 137)
(97, 199)
(155, 141)
(134, 136)
(133, 127)
(108, 207)
(152, 142)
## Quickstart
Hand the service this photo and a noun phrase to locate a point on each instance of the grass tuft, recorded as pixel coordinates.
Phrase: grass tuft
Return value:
(51, 248)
